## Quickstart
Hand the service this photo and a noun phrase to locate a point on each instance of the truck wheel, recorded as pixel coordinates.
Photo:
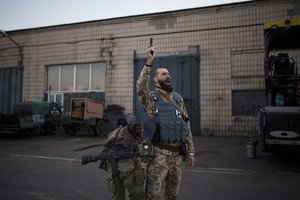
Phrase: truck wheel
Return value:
(70, 130)
(99, 129)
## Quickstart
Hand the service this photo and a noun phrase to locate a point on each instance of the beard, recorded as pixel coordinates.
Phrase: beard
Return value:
(165, 86)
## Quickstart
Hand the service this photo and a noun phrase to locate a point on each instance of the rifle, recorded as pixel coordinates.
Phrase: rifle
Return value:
(113, 156)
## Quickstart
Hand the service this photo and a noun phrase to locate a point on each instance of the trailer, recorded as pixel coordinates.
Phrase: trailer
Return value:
(86, 114)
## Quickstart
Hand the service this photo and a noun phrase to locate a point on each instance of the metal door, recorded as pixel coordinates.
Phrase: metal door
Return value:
(185, 75)
(10, 88)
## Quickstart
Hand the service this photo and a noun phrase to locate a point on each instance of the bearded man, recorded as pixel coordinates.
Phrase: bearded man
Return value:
(168, 130)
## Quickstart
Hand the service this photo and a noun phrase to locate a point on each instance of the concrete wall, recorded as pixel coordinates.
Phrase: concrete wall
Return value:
(229, 39)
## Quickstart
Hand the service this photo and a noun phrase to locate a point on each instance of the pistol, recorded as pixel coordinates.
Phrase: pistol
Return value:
(150, 45)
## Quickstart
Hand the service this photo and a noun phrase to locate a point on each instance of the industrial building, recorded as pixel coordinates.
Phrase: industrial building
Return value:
(215, 55)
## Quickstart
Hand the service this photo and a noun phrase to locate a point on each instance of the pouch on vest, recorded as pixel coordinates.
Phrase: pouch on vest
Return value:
(171, 132)
(125, 165)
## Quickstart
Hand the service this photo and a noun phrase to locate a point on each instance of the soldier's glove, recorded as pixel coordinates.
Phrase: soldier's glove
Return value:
(131, 122)
(132, 127)
(138, 129)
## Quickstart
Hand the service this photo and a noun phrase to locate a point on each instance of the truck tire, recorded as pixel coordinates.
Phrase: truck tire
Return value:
(99, 128)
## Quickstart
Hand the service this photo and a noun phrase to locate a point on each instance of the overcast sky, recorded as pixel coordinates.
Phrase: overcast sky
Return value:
(23, 14)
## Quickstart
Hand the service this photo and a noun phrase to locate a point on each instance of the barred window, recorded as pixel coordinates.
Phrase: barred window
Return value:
(247, 103)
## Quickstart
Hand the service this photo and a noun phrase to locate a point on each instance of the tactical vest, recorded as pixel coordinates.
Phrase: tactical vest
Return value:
(168, 125)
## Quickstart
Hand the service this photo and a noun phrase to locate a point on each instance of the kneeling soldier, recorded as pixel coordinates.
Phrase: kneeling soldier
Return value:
(130, 174)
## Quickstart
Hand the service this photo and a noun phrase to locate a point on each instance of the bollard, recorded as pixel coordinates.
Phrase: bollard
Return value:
(251, 149)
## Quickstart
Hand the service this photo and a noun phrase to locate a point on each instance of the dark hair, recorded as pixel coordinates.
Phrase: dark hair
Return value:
(155, 73)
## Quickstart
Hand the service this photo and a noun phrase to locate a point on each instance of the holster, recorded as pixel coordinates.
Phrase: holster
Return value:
(183, 150)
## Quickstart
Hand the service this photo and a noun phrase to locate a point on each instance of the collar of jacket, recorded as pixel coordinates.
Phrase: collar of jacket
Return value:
(166, 95)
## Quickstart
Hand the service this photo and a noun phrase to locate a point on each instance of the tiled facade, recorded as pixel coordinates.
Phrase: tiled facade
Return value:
(229, 39)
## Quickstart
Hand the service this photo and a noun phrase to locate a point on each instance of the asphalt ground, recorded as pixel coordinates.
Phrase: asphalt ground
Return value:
(49, 168)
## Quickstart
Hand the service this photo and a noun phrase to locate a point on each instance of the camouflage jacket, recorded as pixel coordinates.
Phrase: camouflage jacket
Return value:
(144, 95)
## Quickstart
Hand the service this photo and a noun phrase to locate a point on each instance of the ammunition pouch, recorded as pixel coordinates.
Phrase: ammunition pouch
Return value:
(125, 165)
(172, 132)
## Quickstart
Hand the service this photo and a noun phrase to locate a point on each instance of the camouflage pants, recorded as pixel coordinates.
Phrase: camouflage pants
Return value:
(163, 170)
(132, 181)
(126, 181)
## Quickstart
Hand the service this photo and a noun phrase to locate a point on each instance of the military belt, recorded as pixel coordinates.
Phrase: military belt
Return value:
(167, 147)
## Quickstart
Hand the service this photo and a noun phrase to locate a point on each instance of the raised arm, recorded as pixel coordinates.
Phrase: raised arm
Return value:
(142, 85)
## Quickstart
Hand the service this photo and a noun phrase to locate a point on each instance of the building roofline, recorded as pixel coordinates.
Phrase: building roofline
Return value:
(126, 18)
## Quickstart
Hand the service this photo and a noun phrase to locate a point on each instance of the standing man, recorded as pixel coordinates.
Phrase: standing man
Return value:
(168, 129)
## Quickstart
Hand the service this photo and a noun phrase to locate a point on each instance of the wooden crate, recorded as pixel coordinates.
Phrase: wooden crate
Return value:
(83, 108)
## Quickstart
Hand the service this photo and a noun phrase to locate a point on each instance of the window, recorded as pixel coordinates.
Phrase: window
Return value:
(98, 76)
(80, 77)
(247, 103)
(56, 97)
(67, 77)
(53, 78)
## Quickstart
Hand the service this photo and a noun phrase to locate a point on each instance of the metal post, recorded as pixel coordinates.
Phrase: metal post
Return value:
(251, 149)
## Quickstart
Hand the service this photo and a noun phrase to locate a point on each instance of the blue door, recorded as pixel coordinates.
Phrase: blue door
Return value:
(185, 75)
(11, 83)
